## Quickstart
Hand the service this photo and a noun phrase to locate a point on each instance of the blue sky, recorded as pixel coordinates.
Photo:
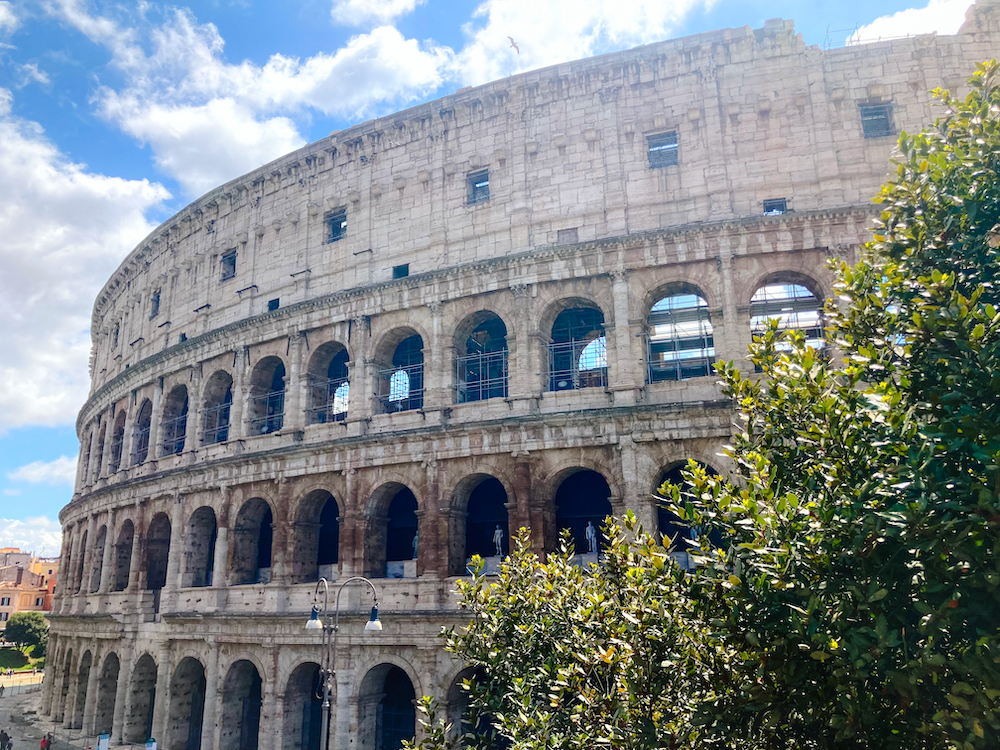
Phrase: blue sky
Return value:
(115, 116)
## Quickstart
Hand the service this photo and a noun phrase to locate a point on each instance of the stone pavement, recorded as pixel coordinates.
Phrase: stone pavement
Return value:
(21, 717)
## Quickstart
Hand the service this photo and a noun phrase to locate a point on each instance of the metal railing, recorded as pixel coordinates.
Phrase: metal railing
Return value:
(174, 435)
(328, 401)
(269, 412)
(401, 389)
(578, 364)
(216, 424)
(481, 376)
(140, 451)
(679, 358)
(116, 453)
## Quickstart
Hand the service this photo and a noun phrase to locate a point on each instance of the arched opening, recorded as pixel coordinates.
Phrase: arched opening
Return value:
(202, 532)
(67, 677)
(387, 714)
(96, 468)
(401, 384)
(139, 718)
(97, 559)
(140, 435)
(583, 501)
(107, 690)
(117, 442)
(80, 559)
(669, 525)
(218, 405)
(486, 525)
(187, 706)
(329, 388)
(157, 552)
(458, 714)
(174, 425)
(302, 725)
(577, 353)
(82, 677)
(123, 556)
(795, 308)
(252, 538)
(481, 364)
(242, 694)
(317, 538)
(267, 396)
(679, 338)
(391, 534)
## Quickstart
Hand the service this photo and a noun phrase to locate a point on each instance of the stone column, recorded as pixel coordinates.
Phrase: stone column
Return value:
(109, 548)
(176, 542)
(269, 737)
(351, 552)
(209, 731)
(48, 676)
(161, 707)
(219, 571)
(155, 438)
(521, 378)
(134, 577)
(128, 439)
(436, 377)
(731, 334)
(238, 412)
(83, 479)
(121, 693)
(108, 437)
(295, 385)
(429, 547)
(346, 708)
(622, 352)
(90, 705)
(87, 558)
(361, 378)
(280, 547)
(70, 708)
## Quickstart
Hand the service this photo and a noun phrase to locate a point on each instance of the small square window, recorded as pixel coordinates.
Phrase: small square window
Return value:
(567, 236)
(272, 305)
(662, 149)
(184, 337)
(479, 186)
(401, 272)
(775, 206)
(336, 224)
(154, 305)
(114, 337)
(876, 120)
(228, 265)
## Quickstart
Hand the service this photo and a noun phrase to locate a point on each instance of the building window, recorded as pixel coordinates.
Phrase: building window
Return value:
(479, 186)
(38, 601)
(184, 337)
(228, 265)
(876, 120)
(336, 224)
(662, 149)
(4, 616)
(5, 601)
(401, 272)
(272, 304)
(114, 337)
(154, 305)
(775, 207)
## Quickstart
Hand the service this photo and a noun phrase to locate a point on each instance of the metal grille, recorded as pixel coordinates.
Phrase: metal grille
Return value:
(141, 450)
(876, 120)
(336, 225)
(174, 433)
(578, 364)
(116, 451)
(269, 409)
(401, 388)
(216, 424)
(679, 342)
(479, 186)
(662, 149)
(328, 399)
(398, 724)
(481, 376)
(794, 307)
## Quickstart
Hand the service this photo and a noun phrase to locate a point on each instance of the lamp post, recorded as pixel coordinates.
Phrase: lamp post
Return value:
(328, 671)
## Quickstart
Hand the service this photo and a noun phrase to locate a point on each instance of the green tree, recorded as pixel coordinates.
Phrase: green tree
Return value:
(26, 629)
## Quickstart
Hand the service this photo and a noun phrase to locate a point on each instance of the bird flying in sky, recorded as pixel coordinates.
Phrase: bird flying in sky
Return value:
(514, 45)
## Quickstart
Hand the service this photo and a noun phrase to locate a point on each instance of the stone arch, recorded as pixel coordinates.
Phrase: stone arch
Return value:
(142, 691)
(217, 403)
(457, 704)
(399, 363)
(82, 679)
(242, 697)
(576, 352)
(202, 533)
(78, 572)
(386, 710)
(123, 555)
(679, 336)
(301, 727)
(328, 381)
(173, 425)
(316, 537)
(582, 500)
(117, 442)
(97, 559)
(479, 505)
(795, 300)
(391, 529)
(481, 357)
(140, 432)
(157, 552)
(187, 706)
(667, 524)
(107, 692)
(252, 541)
(267, 396)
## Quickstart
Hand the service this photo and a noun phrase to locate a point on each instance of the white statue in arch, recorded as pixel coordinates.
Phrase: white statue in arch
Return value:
(591, 537)
(498, 540)
(415, 533)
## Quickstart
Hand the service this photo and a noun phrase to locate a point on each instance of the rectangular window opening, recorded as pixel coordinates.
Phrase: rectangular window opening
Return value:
(154, 305)
(662, 149)
(775, 206)
(336, 224)
(567, 236)
(479, 186)
(228, 265)
(272, 304)
(401, 272)
(876, 120)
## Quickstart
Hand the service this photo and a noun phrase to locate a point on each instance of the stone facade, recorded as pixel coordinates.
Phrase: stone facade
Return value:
(498, 308)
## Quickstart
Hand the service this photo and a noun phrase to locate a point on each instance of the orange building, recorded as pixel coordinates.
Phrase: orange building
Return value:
(26, 585)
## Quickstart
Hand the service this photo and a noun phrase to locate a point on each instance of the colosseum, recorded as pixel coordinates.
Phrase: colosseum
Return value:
(381, 354)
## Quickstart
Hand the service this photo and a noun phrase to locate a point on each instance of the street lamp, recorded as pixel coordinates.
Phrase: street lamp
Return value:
(328, 671)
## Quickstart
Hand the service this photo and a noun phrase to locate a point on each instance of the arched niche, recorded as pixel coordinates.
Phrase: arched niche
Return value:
(481, 358)
(391, 533)
(242, 697)
(577, 350)
(173, 425)
(142, 689)
(400, 372)
(301, 727)
(267, 396)
(140, 433)
(329, 386)
(199, 562)
(217, 409)
(680, 341)
(316, 538)
(386, 709)
(252, 540)
(123, 556)
(157, 552)
(583, 501)
(187, 706)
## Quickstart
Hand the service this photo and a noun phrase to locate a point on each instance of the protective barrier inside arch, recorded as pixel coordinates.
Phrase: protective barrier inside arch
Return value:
(679, 338)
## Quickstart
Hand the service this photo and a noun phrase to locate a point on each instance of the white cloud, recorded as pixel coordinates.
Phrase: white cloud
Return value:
(60, 471)
(30, 73)
(8, 19)
(40, 535)
(208, 120)
(942, 16)
(12, 492)
(363, 12)
(552, 32)
(64, 230)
